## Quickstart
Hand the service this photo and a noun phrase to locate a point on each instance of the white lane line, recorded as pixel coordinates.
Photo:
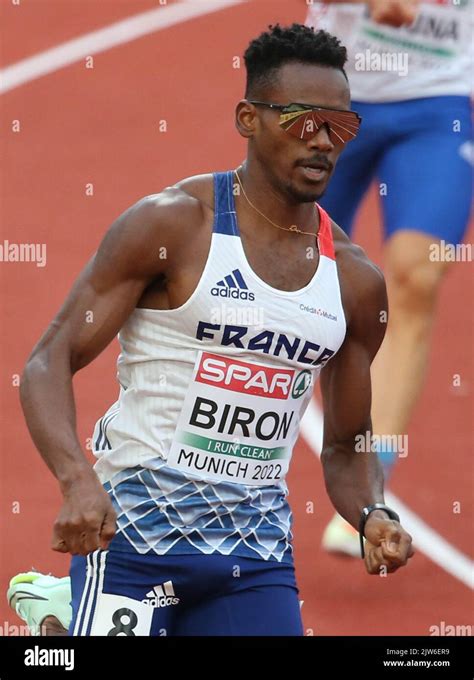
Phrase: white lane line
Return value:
(427, 540)
(105, 38)
(433, 544)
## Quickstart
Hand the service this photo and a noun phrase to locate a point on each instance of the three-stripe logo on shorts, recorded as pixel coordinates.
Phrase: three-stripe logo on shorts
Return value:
(93, 586)
(162, 595)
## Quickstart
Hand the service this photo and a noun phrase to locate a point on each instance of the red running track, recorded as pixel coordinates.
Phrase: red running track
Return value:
(100, 126)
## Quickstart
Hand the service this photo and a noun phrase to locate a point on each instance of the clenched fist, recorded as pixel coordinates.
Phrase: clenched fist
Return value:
(86, 520)
(387, 544)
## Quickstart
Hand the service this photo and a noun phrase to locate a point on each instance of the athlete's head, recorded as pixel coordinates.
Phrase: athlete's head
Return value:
(296, 65)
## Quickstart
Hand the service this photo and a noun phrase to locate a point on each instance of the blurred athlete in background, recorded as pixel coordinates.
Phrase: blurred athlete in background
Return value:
(410, 69)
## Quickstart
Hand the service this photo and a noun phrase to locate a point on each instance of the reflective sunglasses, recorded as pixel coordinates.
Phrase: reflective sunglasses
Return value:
(304, 121)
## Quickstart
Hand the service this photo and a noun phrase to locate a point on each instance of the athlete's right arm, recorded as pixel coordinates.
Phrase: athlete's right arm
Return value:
(104, 295)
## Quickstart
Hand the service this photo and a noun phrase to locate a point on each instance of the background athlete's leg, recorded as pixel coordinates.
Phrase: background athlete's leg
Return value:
(355, 170)
(429, 184)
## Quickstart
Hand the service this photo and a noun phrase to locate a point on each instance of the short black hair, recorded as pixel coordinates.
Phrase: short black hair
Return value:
(280, 45)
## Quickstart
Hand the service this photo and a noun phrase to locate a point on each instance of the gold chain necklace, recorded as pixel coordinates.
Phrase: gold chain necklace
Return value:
(293, 227)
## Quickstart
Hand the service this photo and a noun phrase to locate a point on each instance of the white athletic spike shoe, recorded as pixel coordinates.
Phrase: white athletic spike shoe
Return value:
(341, 538)
(34, 596)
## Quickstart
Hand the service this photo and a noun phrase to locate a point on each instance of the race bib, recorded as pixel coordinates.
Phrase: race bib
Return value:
(435, 40)
(119, 615)
(239, 421)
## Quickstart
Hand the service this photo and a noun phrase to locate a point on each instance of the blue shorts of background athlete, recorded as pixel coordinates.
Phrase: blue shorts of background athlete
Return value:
(420, 153)
(118, 593)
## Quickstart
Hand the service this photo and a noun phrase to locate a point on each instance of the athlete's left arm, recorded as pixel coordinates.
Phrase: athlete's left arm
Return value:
(353, 475)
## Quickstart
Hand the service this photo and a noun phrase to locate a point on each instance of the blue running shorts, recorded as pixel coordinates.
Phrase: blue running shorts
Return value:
(116, 593)
(419, 152)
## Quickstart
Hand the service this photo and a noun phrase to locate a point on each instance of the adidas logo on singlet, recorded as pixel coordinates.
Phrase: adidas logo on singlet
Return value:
(161, 596)
(233, 286)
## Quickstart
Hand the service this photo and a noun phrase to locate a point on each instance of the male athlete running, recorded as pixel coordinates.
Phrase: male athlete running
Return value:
(231, 292)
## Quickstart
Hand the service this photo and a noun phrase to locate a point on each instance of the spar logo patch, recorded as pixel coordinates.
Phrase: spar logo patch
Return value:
(303, 381)
(245, 377)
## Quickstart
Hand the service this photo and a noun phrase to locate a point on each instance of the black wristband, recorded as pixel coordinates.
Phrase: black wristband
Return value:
(364, 516)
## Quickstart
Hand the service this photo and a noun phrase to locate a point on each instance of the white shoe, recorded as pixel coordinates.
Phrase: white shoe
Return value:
(34, 596)
(341, 538)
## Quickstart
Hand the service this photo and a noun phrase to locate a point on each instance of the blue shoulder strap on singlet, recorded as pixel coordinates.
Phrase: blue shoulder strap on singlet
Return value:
(224, 208)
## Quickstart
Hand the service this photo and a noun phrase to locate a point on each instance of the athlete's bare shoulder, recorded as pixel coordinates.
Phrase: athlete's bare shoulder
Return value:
(362, 282)
(184, 204)
(154, 233)
(184, 209)
(200, 188)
